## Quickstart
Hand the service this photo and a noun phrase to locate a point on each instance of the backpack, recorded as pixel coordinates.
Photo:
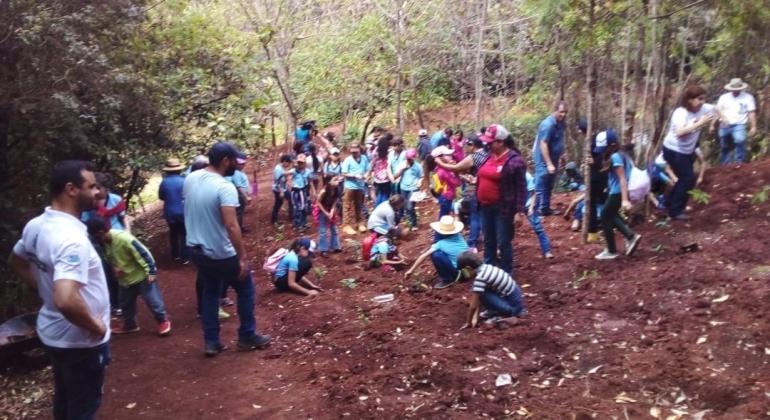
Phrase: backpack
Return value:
(437, 187)
(271, 264)
(638, 184)
(366, 247)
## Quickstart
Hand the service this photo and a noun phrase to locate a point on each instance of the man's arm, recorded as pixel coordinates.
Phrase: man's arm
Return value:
(23, 269)
(67, 299)
(547, 156)
(752, 123)
(230, 221)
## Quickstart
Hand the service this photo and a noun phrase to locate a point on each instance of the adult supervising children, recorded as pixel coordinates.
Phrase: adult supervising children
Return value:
(737, 109)
(355, 169)
(217, 248)
(56, 257)
(170, 192)
(549, 145)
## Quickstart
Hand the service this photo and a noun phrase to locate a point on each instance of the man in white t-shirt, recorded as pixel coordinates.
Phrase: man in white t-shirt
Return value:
(737, 109)
(55, 257)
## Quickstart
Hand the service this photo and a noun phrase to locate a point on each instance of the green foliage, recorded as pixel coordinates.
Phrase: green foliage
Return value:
(699, 196)
(586, 275)
(318, 273)
(761, 196)
(349, 283)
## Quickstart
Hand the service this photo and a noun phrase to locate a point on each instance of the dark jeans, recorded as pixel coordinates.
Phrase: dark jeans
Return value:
(304, 266)
(150, 292)
(276, 207)
(199, 291)
(544, 184)
(112, 282)
(611, 220)
(475, 221)
(213, 274)
(598, 196)
(240, 209)
(511, 305)
(498, 234)
(409, 210)
(289, 206)
(178, 237)
(299, 198)
(682, 166)
(78, 381)
(444, 267)
(382, 192)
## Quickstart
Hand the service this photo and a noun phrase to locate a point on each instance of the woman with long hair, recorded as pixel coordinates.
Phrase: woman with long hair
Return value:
(380, 174)
(315, 164)
(327, 216)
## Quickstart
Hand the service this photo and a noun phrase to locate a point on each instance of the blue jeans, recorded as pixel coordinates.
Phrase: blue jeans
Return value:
(475, 227)
(498, 234)
(580, 208)
(213, 275)
(511, 305)
(408, 210)
(444, 267)
(299, 201)
(382, 192)
(150, 292)
(78, 380)
(537, 226)
(544, 185)
(682, 165)
(323, 227)
(733, 137)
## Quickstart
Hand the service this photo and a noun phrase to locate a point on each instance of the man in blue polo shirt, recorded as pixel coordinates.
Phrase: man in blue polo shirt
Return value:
(549, 146)
(355, 170)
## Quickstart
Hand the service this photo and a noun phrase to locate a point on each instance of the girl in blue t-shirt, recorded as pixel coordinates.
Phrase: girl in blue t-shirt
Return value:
(291, 272)
(299, 182)
(619, 165)
(279, 186)
(384, 253)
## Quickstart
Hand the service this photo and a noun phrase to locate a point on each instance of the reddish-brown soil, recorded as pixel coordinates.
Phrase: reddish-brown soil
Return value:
(647, 327)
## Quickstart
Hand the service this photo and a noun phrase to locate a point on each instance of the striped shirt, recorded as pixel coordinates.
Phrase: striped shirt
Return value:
(493, 279)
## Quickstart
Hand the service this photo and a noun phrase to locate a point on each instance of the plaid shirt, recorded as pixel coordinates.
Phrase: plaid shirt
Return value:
(513, 184)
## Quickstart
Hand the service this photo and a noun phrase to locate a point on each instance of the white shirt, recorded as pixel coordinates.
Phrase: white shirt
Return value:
(735, 110)
(57, 246)
(309, 163)
(681, 118)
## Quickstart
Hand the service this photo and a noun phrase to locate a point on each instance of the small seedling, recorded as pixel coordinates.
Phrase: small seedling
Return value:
(279, 236)
(318, 273)
(593, 274)
(361, 315)
(349, 283)
(657, 248)
(761, 196)
(699, 196)
(662, 224)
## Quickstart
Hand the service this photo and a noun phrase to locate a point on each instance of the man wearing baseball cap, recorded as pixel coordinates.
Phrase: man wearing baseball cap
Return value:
(217, 249)
(549, 145)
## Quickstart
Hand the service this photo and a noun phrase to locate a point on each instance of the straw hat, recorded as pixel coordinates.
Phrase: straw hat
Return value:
(736, 84)
(447, 225)
(173, 164)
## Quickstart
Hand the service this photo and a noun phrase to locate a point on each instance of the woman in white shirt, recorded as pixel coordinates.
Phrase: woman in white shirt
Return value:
(680, 144)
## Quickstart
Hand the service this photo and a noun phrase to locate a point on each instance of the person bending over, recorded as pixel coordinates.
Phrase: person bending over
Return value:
(493, 289)
(291, 273)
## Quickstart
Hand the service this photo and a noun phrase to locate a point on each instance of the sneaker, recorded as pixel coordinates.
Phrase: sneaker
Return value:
(212, 350)
(325, 254)
(682, 217)
(347, 230)
(414, 229)
(606, 255)
(362, 229)
(548, 255)
(593, 237)
(575, 225)
(633, 244)
(549, 212)
(122, 329)
(339, 251)
(185, 262)
(223, 314)
(441, 285)
(486, 314)
(227, 302)
(259, 341)
(493, 319)
(164, 328)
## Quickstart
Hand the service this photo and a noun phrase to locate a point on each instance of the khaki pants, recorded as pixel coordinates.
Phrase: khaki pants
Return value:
(351, 213)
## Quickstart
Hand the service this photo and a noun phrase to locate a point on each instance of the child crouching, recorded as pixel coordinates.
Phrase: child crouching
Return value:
(291, 272)
(384, 253)
(492, 288)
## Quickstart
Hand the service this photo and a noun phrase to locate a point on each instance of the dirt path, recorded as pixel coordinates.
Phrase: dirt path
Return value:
(611, 339)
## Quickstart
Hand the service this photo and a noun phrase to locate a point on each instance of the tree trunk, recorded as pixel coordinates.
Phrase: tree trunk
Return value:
(503, 72)
(624, 128)
(400, 27)
(479, 71)
(590, 86)
(272, 129)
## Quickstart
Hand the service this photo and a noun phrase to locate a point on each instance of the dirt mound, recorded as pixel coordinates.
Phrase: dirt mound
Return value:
(668, 329)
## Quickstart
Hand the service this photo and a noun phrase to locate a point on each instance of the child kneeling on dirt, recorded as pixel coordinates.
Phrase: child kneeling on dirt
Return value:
(136, 272)
(384, 253)
(492, 288)
(291, 272)
(444, 252)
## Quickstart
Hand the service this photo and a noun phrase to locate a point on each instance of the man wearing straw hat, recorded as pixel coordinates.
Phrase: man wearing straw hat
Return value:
(737, 108)
(444, 252)
(170, 192)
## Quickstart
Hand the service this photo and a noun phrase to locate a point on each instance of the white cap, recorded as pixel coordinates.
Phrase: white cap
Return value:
(441, 151)
(422, 132)
(334, 151)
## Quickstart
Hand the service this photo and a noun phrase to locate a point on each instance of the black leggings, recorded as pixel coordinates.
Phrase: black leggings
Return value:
(611, 220)
(598, 195)
(282, 283)
(276, 207)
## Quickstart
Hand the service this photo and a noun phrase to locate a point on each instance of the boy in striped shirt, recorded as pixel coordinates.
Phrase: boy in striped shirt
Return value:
(492, 288)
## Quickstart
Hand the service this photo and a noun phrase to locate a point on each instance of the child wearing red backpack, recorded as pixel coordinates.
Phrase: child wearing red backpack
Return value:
(384, 253)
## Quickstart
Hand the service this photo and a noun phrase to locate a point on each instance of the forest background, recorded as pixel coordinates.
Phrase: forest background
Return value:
(127, 83)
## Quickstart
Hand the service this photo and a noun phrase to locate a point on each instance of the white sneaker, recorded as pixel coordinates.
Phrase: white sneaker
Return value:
(606, 255)
(632, 244)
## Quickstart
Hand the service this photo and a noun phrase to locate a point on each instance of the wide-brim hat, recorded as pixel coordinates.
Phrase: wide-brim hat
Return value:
(736, 84)
(173, 164)
(447, 225)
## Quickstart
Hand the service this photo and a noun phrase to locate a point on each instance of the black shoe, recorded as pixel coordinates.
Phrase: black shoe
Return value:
(339, 251)
(549, 212)
(259, 341)
(214, 349)
(682, 217)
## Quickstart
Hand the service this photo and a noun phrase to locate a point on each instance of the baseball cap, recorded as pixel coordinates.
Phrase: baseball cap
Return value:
(334, 151)
(604, 139)
(474, 140)
(422, 133)
(494, 132)
(411, 153)
(221, 150)
(309, 244)
(441, 151)
(241, 158)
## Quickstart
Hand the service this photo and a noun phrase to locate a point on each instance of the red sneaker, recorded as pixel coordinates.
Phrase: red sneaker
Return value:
(123, 330)
(164, 328)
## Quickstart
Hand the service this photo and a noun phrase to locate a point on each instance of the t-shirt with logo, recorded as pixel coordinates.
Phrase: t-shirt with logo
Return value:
(681, 117)
(488, 178)
(300, 179)
(205, 194)
(57, 247)
(735, 110)
(353, 167)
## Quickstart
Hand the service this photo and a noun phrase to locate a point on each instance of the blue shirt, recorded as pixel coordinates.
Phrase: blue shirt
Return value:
(411, 177)
(303, 136)
(552, 133)
(618, 160)
(436, 139)
(395, 160)
(530, 188)
(289, 262)
(300, 179)
(330, 168)
(112, 201)
(452, 246)
(239, 179)
(170, 191)
(380, 250)
(279, 180)
(205, 194)
(350, 166)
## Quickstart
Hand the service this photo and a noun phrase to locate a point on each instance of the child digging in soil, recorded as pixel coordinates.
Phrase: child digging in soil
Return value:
(290, 275)
(135, 269)
(444, 252)
(385, 255)
(493, 289)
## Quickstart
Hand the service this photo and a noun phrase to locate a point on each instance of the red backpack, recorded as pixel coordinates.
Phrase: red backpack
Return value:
(366, 246)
